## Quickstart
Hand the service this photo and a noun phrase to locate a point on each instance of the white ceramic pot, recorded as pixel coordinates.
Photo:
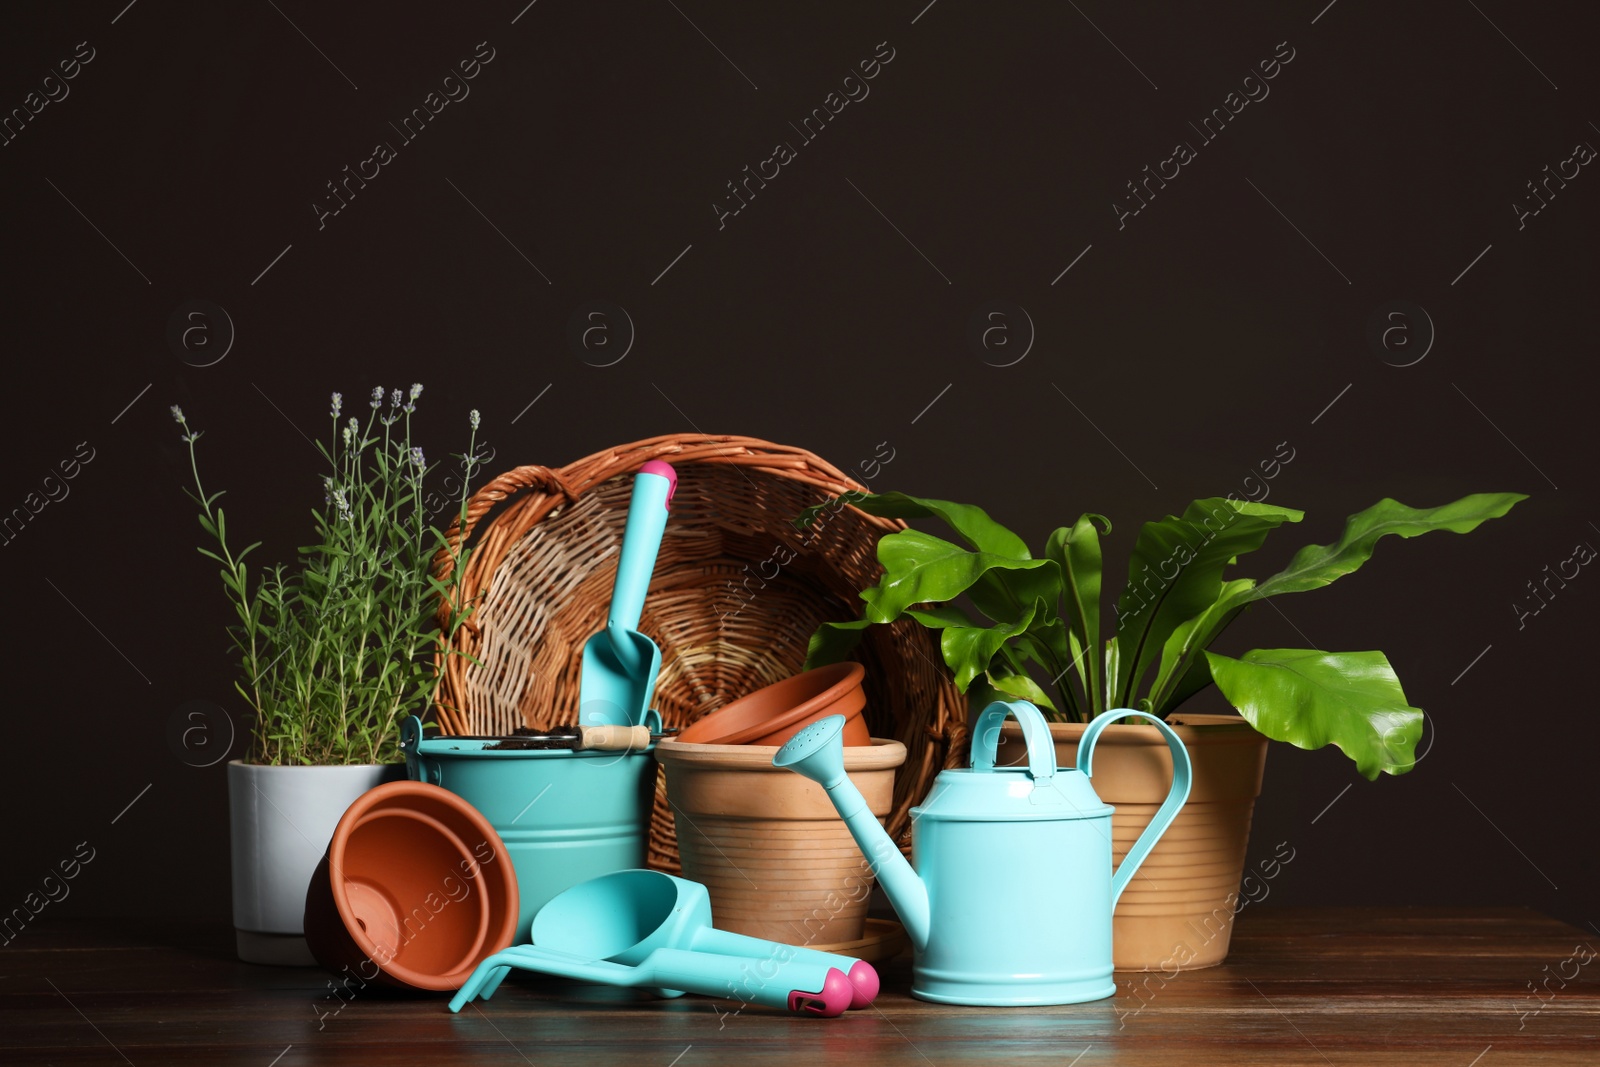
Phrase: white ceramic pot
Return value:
(280, 821)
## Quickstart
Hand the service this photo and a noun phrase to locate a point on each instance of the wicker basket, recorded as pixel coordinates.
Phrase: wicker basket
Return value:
(736, 595)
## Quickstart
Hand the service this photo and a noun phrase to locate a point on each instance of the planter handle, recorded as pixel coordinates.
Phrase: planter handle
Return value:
(1181, 775)
(1035, 731)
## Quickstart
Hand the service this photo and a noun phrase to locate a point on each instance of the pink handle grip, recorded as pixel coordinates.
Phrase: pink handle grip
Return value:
(656, 466)
(832, 1000)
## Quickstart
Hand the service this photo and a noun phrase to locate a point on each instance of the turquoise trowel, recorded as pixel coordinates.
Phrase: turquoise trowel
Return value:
(620, 664)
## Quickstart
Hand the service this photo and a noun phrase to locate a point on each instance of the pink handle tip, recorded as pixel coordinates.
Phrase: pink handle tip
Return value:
(664, 470)
(864, 981)
(837, 994)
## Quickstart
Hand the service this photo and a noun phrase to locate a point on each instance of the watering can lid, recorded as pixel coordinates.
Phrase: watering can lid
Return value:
(1010, 794)
(1037, 791)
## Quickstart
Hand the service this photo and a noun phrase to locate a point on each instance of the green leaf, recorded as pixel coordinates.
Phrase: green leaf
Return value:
(1016, 685)
(920, 568)
(1183, 672)
(940, 616)
(1194, 679)
(834, 641)
(968, 650)
(1170, 688)
(971, 523)
(1004, 593)
(1311, 699)
(1317, 565)
(1076, 550)
(1113, 664)
(1048, 642)
(1176, 572)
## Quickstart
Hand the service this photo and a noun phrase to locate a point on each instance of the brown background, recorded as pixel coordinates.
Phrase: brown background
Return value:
(1174, 356)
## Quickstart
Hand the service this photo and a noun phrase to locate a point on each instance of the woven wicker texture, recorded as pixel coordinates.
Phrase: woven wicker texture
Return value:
(736, 595)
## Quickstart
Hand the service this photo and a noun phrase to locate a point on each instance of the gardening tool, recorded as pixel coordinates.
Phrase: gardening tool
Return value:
(565, 814)
(652, 930)
(620, 664)
(1001, 841)
(584, 739)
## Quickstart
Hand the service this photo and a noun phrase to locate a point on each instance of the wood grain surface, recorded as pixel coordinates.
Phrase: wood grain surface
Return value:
(1412, 986)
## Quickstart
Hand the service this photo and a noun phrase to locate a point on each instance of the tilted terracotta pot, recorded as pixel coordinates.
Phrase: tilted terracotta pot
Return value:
(774, 713)
(1178, 910)
(768, 844)
(415, 890)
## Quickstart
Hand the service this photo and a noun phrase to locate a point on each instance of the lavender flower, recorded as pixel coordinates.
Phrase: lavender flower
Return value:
(343, 504)
(473, 418)
(411, 401)
(189, 436)
(338, 402)
(417, 460)
(394, 398)
(377, 397)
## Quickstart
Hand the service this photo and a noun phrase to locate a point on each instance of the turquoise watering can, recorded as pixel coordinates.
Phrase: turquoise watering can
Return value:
(1011, 900)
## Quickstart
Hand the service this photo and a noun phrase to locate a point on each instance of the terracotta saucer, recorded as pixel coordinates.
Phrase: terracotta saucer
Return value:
(775, 713)
(882, 939)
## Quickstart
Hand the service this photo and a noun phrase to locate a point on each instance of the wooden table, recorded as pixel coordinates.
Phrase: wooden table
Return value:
(1416, 987)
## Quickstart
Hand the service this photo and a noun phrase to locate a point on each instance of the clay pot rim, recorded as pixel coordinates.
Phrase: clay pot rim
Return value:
(884, 753)
(361, 811)
(851, 675)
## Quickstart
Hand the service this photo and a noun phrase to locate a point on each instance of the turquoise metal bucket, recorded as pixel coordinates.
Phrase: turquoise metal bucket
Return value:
(565, 816)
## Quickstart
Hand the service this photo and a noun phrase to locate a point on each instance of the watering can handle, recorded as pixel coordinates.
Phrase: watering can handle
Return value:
(1181, 776)
(1035, 731)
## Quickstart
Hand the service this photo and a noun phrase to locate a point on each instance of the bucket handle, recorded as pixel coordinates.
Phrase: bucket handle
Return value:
(1035, 731)
(417, 769)
(1182, 773)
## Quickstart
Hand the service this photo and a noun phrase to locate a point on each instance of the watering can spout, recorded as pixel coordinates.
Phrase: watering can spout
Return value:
(817, 752)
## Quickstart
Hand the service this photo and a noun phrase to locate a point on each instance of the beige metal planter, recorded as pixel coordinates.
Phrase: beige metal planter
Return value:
(1178, 910)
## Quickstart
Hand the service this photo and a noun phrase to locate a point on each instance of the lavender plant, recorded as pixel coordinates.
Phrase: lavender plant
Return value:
(336, 649)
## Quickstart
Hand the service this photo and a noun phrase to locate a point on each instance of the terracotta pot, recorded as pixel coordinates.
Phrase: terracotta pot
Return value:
(593, 818)
(1178, 910)
(415, 890)
(775, 713)
(768, 844)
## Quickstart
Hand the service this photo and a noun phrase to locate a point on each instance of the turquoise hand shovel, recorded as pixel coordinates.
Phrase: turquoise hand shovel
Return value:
(620, 664)
(651, 930)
